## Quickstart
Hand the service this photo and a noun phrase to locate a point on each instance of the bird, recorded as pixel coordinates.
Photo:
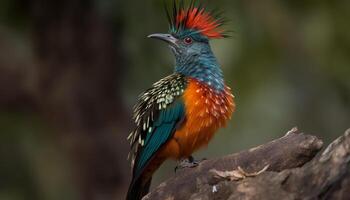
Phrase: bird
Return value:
(180, 113)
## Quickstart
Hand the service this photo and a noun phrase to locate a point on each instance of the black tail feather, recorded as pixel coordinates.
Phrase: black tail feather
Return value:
(138, 188)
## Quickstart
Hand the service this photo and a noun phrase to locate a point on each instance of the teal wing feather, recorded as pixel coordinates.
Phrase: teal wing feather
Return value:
(162, 129)
(157, 114)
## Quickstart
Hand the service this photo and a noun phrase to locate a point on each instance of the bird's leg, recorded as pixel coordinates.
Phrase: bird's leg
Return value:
(189, 162)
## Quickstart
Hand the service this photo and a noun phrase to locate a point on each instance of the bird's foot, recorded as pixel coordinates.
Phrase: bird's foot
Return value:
(189, 162)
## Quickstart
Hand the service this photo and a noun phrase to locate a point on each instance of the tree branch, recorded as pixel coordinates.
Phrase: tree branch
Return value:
(294, 172)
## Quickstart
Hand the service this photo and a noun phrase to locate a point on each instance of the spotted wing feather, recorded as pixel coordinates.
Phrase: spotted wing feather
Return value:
(157, 113)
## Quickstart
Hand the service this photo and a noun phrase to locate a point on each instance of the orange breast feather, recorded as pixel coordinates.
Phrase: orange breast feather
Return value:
(206, 111)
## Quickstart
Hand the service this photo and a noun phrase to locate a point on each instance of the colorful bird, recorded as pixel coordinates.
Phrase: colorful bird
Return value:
(180, 113)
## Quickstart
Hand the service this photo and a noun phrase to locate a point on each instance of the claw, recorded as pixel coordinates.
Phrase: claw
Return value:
(189, 162)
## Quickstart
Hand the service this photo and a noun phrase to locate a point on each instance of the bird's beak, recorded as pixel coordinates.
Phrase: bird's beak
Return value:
(164, 37)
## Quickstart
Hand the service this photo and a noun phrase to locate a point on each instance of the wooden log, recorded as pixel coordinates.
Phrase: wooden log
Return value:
(294, 172)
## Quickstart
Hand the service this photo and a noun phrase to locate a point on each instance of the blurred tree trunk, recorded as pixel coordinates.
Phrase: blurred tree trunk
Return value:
(79, 90)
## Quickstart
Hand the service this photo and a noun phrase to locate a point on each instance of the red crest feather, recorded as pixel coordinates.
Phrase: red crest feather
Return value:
(196, 18)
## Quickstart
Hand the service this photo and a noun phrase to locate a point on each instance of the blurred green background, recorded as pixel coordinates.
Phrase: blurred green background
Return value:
(70, 71)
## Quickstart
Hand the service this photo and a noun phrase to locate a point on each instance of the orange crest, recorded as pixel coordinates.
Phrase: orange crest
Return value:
(195, 18)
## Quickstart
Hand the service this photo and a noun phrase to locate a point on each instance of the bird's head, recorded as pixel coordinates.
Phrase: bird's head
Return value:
(191, 28)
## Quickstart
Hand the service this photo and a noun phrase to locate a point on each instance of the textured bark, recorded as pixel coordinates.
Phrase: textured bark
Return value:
(294, 172)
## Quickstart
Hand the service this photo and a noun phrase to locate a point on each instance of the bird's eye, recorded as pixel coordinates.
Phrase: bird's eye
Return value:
(188, 40)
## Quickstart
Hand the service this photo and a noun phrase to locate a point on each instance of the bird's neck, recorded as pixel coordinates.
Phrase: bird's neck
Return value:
(203, 67)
